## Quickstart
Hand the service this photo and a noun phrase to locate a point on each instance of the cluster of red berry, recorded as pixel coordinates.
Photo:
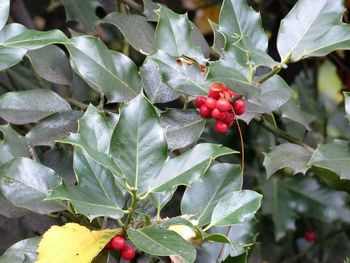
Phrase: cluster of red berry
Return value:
(118, 243)
(219, 105)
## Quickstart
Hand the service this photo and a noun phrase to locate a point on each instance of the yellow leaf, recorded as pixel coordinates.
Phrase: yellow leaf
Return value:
(73, 243)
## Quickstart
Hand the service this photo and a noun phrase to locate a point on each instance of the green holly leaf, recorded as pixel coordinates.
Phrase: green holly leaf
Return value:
(183, 77)
(239, 237)
(14, 145)
(31, 39)
(10, 55)
(238, 20)
(291, 110)
(96, 128)
(149, 8)
(100, 157)
(274, 93)
(183, 127)
(287, 155)
(334, 157)
(107, 72)
(82, 11)
(313, 29)
(219, 38)
(52, 64)
(97, 193)
(173, 35)
(138, 32)
(178, 54)
(20, 107)
(23, 251)
(4, 12)
(94, 136)
(188, 167)
(53, 127)
(138, 144)
(98, 190)
(223, 72)
(235, 208)
(242, 54)
(26, 183)
(161, 242)
(157, 91)
(218, 182)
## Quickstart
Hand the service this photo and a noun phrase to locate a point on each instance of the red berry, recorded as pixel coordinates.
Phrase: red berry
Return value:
(221, 127)
(223, 105)
(200, 101)
(216, 114)
(239, 107)
(224, 87)
(118, 243)
(204, 111)
(310, 236)
(228, 119)
(210, 103)
(128, 253)
(214, 93)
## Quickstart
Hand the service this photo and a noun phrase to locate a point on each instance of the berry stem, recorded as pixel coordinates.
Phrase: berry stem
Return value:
(242, 144)
(251, 73)
(270, 74)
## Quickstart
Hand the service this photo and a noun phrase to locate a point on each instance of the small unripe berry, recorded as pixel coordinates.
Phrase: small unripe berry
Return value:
(310, 236)
(223, 105)
(216, 114)
(239, 107)
(221, 127)
(200, 101)
(204, 111)
(118, 243)
(210, 103)
(128, 253)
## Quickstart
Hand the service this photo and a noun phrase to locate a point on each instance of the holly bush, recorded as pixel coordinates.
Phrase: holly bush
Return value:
(128, 135)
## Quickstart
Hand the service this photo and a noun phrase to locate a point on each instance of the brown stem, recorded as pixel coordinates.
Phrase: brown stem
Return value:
(242, 144)
(77, 103)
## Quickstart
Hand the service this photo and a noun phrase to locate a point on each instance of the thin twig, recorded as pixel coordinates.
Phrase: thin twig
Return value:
(284, 135)
(77, 103)
(270, 74)
(223, 245)
(242, 144)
